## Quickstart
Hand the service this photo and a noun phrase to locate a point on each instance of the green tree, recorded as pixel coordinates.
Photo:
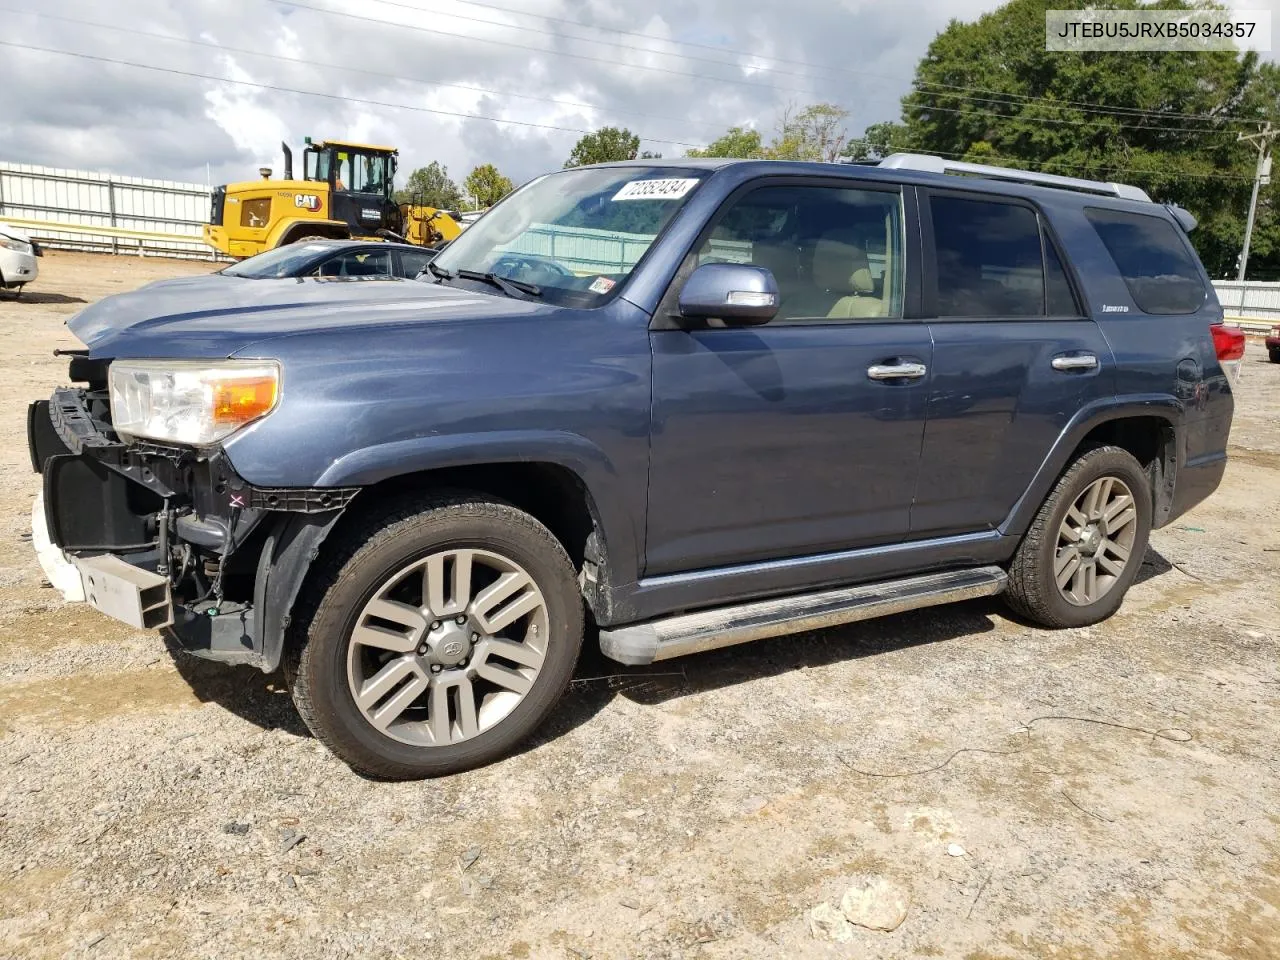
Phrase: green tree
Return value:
(487, 185)
(815, 133)
(878, 141)
(738, 142)
(430, 186)
(989, 92)
(608, 144)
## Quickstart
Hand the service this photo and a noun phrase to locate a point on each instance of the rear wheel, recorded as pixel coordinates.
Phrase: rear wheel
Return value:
(437, 640)
(1086, 544)
(1273, 354)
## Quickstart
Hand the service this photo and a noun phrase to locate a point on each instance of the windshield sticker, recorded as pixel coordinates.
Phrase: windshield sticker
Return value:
(670, 189)
(601, 285)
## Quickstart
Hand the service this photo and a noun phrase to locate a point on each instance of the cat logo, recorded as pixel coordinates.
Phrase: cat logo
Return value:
(307, 201)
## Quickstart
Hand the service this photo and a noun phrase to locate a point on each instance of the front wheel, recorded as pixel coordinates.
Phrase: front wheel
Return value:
(437, 640)
(1086, 544)
(1273, 354)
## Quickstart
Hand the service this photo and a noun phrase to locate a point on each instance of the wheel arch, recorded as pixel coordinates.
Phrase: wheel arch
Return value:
(290, 230)
(561, 480)
(1147, 427)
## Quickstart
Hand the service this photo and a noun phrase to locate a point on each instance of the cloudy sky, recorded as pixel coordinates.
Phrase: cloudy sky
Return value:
(677, 72)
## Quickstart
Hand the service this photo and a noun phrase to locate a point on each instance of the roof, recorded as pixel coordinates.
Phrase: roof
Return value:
(337, 243)
(355, 146)
(1012, 183)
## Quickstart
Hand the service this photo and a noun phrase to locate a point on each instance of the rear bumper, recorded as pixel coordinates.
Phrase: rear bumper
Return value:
(230, 557)
(1196, 480)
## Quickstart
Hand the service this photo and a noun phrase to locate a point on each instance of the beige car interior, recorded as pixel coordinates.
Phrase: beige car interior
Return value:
(840, 284)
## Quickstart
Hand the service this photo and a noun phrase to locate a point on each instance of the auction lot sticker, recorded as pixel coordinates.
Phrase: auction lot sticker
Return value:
(669, 189)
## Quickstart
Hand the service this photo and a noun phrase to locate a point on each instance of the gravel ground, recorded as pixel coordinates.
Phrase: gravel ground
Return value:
(1100, 793)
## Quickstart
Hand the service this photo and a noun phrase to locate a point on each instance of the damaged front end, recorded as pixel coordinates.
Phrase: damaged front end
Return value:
(170, 537)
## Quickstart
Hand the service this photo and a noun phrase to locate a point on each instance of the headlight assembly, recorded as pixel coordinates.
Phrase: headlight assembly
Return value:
(9, 243)
(190, 402)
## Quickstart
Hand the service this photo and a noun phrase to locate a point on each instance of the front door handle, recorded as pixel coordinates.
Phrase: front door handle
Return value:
(897, 371)
(1083, 361)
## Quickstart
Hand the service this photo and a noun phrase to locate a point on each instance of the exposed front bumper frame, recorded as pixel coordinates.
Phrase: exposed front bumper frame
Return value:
(198, 500)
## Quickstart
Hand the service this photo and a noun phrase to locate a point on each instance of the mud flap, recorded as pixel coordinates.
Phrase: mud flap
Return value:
(282, 567)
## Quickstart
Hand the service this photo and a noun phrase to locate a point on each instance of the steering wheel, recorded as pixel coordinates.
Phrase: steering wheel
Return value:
(532, 269)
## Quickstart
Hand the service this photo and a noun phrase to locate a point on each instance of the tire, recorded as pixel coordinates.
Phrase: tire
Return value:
(1046, 551)
(309, 238)
(1273, 354)
(384, 562)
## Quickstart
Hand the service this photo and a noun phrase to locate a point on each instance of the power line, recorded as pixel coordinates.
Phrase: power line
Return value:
(521, 46)
(1066, 105)
(1074, 123)
(132, 31)
(1082, 105)
(314, 93)
(696, 76)
(522, 123)
(562, 36)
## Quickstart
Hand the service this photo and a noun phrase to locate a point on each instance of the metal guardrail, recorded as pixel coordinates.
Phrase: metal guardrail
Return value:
(119, 232)
(1251, 304)
(83, 210)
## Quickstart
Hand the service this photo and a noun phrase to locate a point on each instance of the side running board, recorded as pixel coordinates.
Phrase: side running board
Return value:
(722, 627)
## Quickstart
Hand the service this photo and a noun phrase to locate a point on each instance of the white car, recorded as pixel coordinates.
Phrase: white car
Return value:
(18, 254)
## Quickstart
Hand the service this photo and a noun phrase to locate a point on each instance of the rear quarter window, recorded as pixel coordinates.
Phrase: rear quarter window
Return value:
(1160, 272)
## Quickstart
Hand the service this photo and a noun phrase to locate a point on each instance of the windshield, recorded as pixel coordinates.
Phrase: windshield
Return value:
(363, 172)
(577, 234)
(283, 261)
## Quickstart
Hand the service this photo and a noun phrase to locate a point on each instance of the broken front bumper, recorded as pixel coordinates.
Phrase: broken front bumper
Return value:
(172, 537)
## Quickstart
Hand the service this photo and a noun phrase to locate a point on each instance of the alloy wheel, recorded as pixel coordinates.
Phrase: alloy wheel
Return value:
(447, 647)
(1095, 541)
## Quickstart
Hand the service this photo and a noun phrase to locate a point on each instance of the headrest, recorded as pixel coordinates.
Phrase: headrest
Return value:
(840, 266)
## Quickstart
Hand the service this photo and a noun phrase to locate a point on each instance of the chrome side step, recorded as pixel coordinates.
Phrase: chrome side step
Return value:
(710, 629)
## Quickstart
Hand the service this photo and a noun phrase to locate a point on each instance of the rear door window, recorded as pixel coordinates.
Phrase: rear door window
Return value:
(413, 263)
(1059, 300)
(1159, 270)
(357, 263)
(989, 258)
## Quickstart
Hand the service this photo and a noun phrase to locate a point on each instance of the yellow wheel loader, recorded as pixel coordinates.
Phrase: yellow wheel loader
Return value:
(346, 191)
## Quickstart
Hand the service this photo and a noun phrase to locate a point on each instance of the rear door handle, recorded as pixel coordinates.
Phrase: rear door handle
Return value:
(897, 371)
(1083, 361)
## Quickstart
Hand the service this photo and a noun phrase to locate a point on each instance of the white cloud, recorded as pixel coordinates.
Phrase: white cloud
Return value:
(80, 113)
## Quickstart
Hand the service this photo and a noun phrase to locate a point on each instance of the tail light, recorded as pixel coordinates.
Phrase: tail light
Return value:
(1228, 344)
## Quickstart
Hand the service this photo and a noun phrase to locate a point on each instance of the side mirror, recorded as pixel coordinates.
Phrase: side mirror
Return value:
(737, 294)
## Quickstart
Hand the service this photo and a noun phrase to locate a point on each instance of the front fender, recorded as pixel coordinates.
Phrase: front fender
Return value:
(620, 528)
(1086, 419)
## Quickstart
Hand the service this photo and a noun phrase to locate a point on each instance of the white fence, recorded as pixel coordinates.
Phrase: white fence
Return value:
(50, 195)
(1255, 302)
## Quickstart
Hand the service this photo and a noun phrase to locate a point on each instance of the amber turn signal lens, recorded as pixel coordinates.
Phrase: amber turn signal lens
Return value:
(241, 400)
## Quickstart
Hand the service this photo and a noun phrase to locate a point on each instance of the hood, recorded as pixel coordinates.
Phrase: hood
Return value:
(14, 233)
(215, 316)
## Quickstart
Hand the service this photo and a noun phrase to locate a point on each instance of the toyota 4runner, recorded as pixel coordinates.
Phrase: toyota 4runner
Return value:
(694, 402)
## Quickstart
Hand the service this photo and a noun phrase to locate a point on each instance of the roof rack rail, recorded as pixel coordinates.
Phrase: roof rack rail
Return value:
(931, 164)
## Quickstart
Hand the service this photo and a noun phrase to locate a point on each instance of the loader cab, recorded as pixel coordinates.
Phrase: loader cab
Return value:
(361, 181)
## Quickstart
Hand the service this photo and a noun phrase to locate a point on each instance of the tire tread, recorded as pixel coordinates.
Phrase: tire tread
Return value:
(1031, 584)
(337, 567)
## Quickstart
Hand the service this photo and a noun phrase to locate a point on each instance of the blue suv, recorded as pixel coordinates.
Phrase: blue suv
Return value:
(684, 404)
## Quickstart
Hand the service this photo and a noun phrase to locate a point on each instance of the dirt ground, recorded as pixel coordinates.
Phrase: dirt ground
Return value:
(1100, 793)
